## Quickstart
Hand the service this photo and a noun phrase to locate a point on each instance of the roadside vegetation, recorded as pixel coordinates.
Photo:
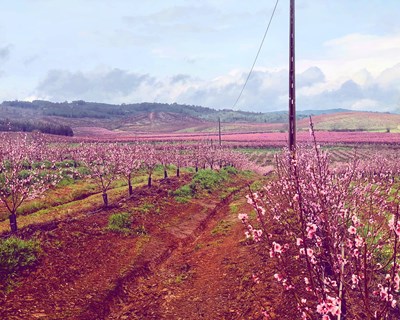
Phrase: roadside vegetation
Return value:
(16, 255)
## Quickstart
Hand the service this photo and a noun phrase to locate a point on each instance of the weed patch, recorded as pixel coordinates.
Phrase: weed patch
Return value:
(208, 180)
(183, 194)
(120, 222)
(234, 209)
(222, 228)
(145, 208)
(204, 180)
(15, 256)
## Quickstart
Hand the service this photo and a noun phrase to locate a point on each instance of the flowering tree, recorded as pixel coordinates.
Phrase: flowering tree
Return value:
(196, 153)
(150, 161)
(103, 163)
(179, 158)
(164, 157)
(211, 155)
(22, 174)
(129, 161)
(334, 234)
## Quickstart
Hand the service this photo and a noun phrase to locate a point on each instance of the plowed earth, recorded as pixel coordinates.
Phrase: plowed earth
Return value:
(192, 262)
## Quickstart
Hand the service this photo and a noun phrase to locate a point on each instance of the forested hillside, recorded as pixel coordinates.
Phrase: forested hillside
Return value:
(83, 109)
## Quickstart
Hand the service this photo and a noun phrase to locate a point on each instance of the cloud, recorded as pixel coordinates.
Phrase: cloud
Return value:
(179, 19)
(310, 77)
(110, 85)
(31, 59)
(365, 92)
(183, 78)
(5, 52)
(267, 89)
(360, 46)
(390, 78)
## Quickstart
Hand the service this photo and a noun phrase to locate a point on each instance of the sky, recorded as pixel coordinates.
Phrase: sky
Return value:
(200, 52)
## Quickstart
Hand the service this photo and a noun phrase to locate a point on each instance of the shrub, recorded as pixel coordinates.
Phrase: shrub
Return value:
(230, 170)
(65, 164)
(208, 179)
(145, 208)
(183, 192)
(15, 256)
(66, 181)
(120, 222)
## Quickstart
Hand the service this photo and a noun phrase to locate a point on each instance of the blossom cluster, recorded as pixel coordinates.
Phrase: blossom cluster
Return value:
(339, 226)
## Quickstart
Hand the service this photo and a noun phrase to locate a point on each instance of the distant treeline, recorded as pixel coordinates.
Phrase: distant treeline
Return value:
(30, 126)
(84, 109)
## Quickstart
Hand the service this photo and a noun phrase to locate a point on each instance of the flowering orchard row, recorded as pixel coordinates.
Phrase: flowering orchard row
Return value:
(30, 165)
(242, 139)
(333, 233)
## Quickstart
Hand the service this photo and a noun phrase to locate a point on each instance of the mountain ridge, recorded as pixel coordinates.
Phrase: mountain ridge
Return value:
(148, 117)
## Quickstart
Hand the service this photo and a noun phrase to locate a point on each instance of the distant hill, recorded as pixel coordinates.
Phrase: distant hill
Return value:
(162, 117)
(354, 121)
(82, 109)
(320, 112)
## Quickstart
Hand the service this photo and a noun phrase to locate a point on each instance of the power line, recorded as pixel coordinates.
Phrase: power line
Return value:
(258, 53)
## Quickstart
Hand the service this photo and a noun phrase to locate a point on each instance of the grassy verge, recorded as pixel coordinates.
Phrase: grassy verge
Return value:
(16, 255)
(69, 207)
(204, 181)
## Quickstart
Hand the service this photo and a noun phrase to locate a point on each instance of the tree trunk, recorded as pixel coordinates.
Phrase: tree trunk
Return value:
(130, 187)
(197, 168)
(344, 306)
(177, 172)
(105, 199)
(149, 182)
(13, 222)
(165, 174)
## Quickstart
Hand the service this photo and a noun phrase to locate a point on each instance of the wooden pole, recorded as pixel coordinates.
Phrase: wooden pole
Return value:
(292, 80)
(219, 130)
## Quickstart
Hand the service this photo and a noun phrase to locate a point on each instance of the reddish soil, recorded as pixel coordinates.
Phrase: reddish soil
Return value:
(191, 264)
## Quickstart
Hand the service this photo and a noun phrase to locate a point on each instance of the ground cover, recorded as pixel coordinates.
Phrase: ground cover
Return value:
(69, 201)
(87, 270)
(172, 251)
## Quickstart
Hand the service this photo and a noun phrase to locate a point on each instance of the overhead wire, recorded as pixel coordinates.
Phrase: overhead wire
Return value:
(258, 53)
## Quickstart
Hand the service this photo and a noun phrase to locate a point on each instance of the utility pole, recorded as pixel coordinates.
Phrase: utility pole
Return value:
(292, 80)
(219, 130)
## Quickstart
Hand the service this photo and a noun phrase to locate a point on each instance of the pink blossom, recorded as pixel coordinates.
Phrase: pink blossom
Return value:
(329, 305)
(311, 230)
(354, 280)
(278, 277)
(396, 282)
(384, 293)
(255, 279)
(358, 241)
(352, 230)
(355, 220)
(277, 247)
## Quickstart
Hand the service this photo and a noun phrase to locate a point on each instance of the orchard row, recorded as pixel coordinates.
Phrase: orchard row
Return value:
(30, 165)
